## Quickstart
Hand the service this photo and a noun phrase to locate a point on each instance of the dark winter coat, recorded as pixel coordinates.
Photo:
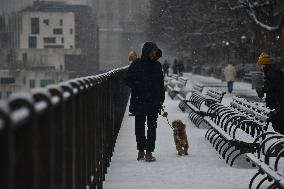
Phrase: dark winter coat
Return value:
(146, 80)
(274, 88)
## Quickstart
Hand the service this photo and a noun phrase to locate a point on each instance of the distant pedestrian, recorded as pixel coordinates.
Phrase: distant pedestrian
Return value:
(180, 67)
(166, 67)
(132, 56)
(274, 90)
(175, 67)
(146, 80)
(230, 76)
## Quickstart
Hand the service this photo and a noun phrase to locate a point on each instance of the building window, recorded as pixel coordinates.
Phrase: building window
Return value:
(32, 83)
(25, 57)
(46, 22)
(57, 31)
(62, 40)
(34, 25)
(61, 22)
(54, 46)
(7, 80)
(44, 83)
(32, 42)
(24, 80)
(71, 31)
(8, 93)
(49, 40)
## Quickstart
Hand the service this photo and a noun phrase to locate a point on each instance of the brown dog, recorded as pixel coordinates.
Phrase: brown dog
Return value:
(180, 137)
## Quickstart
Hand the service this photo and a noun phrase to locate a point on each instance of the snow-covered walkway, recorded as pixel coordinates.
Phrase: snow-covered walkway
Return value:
(201, 169)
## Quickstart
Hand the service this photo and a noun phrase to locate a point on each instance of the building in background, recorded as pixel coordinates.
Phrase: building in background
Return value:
(47, 30)
(85, 31)
(10, 28)
(46, 43)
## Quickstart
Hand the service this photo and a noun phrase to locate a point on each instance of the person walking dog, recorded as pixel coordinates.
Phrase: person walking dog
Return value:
(274, 90)
(132, 56)
(146, 80)
(230, 76)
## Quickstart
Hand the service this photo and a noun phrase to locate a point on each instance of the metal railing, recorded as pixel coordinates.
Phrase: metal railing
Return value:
(62, 136)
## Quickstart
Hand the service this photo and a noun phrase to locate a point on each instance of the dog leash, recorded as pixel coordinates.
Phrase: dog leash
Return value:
(165, 115)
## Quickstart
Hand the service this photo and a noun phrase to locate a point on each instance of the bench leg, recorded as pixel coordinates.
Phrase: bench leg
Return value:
(230, 154)
(233, 160)
(212, 137)
(223, 145)
(217, 145)
(273, 186)
(209, 133)
(218, 137)
(226, 150)
(261, 182)
(253, 178)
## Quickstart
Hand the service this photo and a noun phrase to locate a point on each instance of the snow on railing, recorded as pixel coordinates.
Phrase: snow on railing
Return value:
(62, 136)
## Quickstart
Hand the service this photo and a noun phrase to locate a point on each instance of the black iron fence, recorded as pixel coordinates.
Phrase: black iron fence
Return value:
(62, 136)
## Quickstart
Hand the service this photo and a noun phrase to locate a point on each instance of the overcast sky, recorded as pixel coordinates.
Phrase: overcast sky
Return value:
(14, 5)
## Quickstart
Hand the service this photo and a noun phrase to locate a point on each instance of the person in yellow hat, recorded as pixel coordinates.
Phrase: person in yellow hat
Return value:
(274, 90)
(132, 56)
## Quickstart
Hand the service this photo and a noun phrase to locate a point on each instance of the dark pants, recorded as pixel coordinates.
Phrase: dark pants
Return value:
(277, 123)
(144, 143)
(230, 86)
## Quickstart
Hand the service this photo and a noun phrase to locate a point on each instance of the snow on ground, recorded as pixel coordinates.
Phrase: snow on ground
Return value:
(201, 169)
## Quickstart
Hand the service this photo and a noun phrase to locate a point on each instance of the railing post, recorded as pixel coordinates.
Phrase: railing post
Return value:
(69, 132)
(7, 157)
(25, 141)
(44, 149)
(58, 140)
(78, 172)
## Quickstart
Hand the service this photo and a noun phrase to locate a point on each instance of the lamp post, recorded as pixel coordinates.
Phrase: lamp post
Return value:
(228, 50)
(224, 51)
(243, 40)
(213, 49)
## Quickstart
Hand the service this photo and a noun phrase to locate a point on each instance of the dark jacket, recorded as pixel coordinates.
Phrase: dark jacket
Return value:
(146, 80)
(273, 86)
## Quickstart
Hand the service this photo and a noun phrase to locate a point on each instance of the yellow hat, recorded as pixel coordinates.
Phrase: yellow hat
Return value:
(132, 56)
(264, 59)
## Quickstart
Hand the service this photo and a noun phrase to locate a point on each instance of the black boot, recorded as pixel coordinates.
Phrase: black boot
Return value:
(141, 155)
(149, 157)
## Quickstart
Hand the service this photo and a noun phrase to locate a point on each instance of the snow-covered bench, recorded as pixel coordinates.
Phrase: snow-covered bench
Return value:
(173, 88)
(214, 95)
(267, 158)
(197, 100)
(176, 85)
(167, 79)
(183, 94)
(183, 81)
(257, 112)
(231, 132)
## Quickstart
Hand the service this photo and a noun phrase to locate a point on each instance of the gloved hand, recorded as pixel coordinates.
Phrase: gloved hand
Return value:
(271, 116)
(161, 108)
(260, 92)
(164, 113)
